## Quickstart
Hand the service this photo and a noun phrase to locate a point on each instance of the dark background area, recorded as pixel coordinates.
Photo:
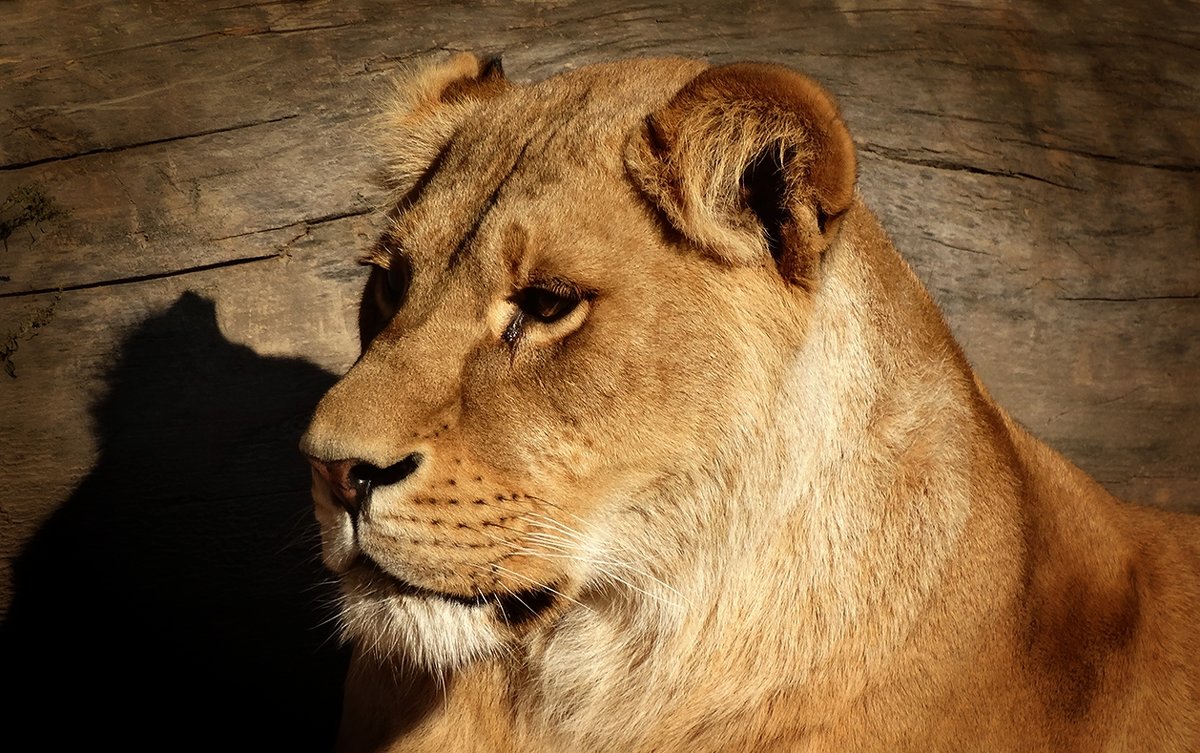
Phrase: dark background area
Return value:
(175, 601)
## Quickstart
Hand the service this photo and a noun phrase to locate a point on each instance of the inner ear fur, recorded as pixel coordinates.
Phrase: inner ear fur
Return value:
(423, 110)
(749, 161)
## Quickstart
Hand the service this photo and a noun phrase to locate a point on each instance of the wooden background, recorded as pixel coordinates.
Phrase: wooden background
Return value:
(184, 191)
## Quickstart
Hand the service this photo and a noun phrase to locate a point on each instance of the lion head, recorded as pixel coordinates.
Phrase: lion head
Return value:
(576, 334)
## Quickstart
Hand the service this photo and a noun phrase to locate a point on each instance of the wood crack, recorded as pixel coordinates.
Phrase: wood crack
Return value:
(298, 30)
(953, 247)
(144, 278)
(1131, 299)
(126, 147)
(244, 31)
(1010, 125)
(1110, 158)
(306, 224)
(898, 155)
(144, 46)
(241, 6)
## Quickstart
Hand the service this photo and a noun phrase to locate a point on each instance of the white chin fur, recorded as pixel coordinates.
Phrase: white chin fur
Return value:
(435, 634)
(432, 633)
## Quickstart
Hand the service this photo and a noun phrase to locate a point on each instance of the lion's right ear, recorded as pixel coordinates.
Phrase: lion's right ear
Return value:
(750, 162)
(424, 109)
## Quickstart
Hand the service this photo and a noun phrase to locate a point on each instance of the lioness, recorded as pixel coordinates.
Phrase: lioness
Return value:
(657, 444)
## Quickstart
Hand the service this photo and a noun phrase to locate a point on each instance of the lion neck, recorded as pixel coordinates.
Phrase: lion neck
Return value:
(845, 492)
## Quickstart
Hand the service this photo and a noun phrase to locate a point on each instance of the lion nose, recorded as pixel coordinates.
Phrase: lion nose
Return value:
(352, 480)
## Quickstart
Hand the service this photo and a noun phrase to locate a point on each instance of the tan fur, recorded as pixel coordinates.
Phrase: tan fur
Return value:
(762, 497)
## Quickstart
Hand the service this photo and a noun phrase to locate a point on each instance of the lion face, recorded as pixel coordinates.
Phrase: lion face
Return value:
(543, 354)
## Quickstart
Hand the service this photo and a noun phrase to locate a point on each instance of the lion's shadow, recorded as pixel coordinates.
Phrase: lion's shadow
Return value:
(175, 601)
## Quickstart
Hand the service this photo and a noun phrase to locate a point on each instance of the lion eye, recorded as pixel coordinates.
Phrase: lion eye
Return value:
(398, 276)
(544, 305)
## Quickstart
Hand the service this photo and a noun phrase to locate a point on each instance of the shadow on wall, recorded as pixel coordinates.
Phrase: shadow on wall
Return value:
(176, 601)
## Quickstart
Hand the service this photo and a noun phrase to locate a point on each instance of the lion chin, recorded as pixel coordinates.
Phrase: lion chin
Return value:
(390, 617)
(437, 633)
(657, 445)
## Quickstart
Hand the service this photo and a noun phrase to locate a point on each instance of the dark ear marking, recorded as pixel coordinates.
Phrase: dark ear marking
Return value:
(424, 111)
(488, 81)
(654, 137)
(822, 219)
(491, 67)
(763, 187)
(749, 160)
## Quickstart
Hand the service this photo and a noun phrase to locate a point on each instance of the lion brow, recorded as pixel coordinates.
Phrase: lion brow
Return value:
(488, 204)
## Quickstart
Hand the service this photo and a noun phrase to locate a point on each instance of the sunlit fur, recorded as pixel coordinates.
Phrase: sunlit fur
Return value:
(770, 505)
(436, 634)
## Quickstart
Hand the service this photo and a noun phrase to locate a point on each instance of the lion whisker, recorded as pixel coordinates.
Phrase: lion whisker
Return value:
(604, 566)
(560, 508)
(548, 540)
(547, 522)
(535, 583)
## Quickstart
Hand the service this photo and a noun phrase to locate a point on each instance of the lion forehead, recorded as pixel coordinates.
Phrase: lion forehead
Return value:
(581, 116)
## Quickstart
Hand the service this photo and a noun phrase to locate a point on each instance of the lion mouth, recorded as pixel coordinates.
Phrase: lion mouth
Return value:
(515, 608)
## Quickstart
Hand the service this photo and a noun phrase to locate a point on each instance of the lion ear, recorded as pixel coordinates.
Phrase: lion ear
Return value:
(465, 78)
(425, 108)
(748, 161)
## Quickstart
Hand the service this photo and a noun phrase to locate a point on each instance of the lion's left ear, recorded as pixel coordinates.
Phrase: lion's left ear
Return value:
(748, 160)
(426, 105)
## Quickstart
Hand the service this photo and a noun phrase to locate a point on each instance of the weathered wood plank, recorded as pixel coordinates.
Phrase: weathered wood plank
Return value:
(106, 78)
(959, 114)
(165, 207)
